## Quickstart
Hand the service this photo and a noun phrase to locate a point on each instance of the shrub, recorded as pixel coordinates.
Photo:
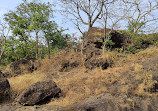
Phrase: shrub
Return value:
(137, 42)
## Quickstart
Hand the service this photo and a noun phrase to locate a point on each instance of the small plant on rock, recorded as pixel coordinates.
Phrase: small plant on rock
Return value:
(107, 43)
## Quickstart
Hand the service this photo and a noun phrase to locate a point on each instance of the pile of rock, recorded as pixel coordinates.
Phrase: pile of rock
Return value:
(92, 48)
(39, 93)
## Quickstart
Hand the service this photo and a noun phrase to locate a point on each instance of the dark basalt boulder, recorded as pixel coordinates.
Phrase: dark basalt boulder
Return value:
(39, 93)
(118, 39)
(4, 89)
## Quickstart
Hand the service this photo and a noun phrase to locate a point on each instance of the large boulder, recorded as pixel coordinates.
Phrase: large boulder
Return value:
(118, 38)
(96, 34)
(39, 93)
(4, 89)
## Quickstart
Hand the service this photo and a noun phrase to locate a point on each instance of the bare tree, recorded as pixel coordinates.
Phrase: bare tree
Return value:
(140, 12)
(4, 32)
(83, 11)
(105, 18)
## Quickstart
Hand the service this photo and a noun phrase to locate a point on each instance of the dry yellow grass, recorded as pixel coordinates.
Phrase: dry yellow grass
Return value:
(20, 83)
(80, 86)
(143, 55)
(80, 83)
(145, 87)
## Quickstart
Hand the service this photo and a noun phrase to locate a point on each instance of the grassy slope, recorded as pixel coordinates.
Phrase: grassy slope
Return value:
(127, 76)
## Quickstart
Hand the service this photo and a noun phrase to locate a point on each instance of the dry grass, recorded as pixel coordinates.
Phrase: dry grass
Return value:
(80, 86)
(128, 73)
(20, 83)
(143, 55)
(80, 83)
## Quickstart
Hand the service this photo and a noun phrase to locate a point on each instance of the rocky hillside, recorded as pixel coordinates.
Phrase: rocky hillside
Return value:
(87, 81)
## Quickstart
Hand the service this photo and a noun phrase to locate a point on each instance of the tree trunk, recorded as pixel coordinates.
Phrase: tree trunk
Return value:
(105, 30)
(105, 37)
(135, 30)
(36, 44)
(90, 22)
(48, 49)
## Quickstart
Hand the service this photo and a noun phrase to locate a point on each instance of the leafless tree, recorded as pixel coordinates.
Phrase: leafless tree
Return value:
(4, 32)
(140, 12)
(83, 11)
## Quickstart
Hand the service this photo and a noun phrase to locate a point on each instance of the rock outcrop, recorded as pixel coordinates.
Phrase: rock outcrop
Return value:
(39, 93)
(22, 66)
(119, 39)
(107, 102)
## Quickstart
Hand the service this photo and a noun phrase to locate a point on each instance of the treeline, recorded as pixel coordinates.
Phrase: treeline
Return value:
(30, 32)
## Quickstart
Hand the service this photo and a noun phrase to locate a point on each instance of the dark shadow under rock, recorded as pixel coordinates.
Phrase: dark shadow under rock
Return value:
(117, 38)
(4, 90)
(68, 65)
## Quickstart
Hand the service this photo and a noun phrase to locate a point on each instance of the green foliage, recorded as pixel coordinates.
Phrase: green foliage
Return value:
(138, 42)
(26, 22)
(55, 38)
(29, 19)
(107, 43)
(59, 40)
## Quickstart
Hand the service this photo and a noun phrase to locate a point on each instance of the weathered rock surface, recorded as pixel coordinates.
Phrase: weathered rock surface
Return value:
(118, 39)
(68, 65)
(92, 49)
(4, 89)
(39, 93)
(17, 107)
(151, 66)
(107, 102)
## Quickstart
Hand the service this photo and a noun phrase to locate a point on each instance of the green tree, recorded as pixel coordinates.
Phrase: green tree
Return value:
(29, 18)
(54, 37)
(49, 29)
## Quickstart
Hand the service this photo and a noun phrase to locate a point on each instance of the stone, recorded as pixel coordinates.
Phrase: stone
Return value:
(39, 93)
